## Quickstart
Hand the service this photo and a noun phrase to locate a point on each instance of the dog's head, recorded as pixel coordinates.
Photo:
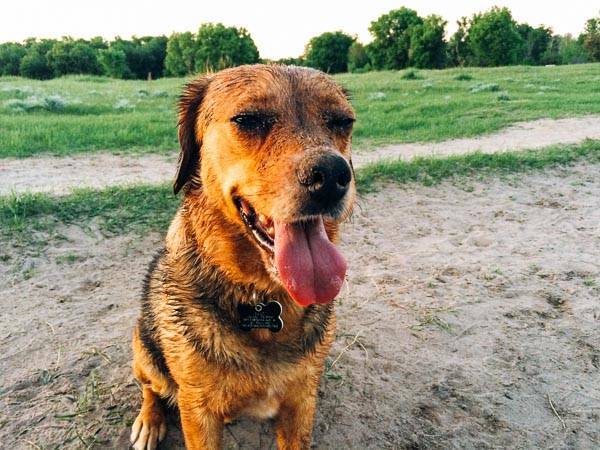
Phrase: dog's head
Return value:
(269, 146)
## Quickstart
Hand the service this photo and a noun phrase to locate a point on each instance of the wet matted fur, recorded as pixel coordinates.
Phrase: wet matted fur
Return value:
(248, 136)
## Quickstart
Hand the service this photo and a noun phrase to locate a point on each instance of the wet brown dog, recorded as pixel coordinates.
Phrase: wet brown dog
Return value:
(266, 170)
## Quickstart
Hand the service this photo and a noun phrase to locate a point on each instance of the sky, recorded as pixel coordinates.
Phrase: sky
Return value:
(279, 28)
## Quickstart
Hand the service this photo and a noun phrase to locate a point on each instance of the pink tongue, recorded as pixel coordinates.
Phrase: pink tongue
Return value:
(311, 267)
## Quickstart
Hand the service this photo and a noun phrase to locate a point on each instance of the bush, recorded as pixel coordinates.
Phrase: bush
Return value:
(365, 69)
(377, 96)
(484, 87)
(463, 77)
(329, 52)
(124, 104)
(18, 91)
(55, 103)
(51, 103)
(411, 75)
(17, 105)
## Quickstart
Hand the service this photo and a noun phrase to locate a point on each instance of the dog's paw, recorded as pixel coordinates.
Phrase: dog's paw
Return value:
(149, 429)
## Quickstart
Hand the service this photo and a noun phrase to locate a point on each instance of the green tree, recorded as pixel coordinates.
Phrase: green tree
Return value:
(219, 47)
(69, 56)
(329, 52)
(391, 38)
(11, 55)
(494, 39)
(591, 38)
(34, 63)
(181, 50)
(592, 45)
(458, 47)
(535, 43)
(155, 48)
(572, 51)
(552, 53)
(114, 63)
(358, 59)
(427, 44)
(299, 61)
(145, 55)
(98, 43)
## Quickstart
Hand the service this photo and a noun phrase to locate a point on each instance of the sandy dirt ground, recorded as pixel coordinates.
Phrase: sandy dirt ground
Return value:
(61, 175)
(470, 320)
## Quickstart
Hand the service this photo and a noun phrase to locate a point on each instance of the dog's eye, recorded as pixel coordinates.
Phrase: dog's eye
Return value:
(340, 123)
(254, 122)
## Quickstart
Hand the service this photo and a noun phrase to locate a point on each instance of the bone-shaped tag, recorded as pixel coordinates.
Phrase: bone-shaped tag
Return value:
(261, 315)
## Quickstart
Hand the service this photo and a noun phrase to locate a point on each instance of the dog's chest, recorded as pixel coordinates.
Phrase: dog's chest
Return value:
(264, 407)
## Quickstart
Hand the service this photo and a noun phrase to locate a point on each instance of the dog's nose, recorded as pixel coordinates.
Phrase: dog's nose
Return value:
(326, 177)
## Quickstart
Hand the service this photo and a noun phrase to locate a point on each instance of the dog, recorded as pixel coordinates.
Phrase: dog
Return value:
(236, 313)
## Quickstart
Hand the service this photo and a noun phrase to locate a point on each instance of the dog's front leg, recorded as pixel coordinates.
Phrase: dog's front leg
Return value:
(202, 429)
(295, 420)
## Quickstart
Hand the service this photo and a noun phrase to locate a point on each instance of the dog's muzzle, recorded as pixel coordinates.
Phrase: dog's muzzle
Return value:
(325, 177)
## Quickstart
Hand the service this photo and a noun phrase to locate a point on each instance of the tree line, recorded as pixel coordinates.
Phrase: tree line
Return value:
(401, 38)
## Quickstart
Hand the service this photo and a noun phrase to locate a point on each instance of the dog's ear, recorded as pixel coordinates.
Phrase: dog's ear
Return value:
(190, 140)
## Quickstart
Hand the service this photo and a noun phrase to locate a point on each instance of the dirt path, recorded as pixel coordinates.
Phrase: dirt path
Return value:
(60, 175)
(470, 320)
(520, 136)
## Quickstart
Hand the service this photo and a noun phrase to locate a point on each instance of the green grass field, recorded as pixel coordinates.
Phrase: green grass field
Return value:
(86, 114)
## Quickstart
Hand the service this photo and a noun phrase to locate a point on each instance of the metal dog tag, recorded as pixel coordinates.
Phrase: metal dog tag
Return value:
(261, 315)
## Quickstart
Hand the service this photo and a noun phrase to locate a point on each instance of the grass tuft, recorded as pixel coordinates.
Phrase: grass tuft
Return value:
(484, 87)
(51, 103)
(118, 210)
(411, 75)
(463, 77)
(124, 104)
(430, 171)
